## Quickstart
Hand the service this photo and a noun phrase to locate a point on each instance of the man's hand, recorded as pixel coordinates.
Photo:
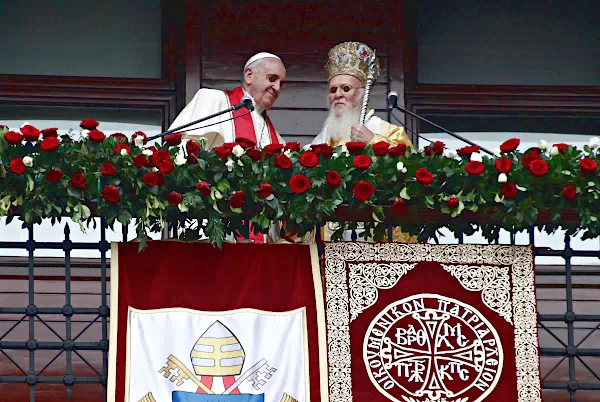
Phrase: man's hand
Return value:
(360, 133)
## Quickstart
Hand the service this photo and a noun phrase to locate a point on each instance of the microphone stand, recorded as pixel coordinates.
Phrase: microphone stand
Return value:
(408, 112)
(246, 103)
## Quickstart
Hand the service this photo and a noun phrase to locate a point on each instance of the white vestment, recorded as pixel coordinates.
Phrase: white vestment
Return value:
(210, 101)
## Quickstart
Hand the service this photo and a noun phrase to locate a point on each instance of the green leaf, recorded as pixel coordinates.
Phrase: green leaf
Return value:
(223, 185)
(404, 194)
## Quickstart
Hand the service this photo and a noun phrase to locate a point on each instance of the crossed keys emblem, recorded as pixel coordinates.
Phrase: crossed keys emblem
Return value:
(257, 375)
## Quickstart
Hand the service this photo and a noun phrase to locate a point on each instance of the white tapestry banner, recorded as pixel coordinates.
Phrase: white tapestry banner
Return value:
(182, 355)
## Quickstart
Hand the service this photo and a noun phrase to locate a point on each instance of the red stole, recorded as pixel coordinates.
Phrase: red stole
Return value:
(244, 126)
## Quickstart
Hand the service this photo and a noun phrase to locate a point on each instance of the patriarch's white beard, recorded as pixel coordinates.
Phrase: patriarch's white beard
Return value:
(335, 128)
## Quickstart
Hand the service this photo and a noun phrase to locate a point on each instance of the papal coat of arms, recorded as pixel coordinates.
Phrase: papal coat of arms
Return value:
(232, 358)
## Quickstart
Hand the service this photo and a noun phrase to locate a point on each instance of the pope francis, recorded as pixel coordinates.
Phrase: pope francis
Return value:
(263, 76)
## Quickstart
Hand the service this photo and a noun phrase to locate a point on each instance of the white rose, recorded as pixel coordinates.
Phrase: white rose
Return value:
(554, 151)
(476, 157)
(450, 153)
(238, 151)
(502, 178)
(335, 155)
(288, 153)
(594, 142)
(85, 133)
(543, 145)
(155, 169)
(180, 159)
(147, 152)
(123, 152)
(240, 163)
(229, 164)
(400, 167)
(28, 161)
(139, 141)
(306, 147)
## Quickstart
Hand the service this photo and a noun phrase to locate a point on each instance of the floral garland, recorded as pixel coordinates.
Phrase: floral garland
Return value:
(44, 175)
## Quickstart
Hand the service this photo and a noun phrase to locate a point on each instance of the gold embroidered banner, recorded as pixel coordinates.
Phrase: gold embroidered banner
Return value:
(431, 323)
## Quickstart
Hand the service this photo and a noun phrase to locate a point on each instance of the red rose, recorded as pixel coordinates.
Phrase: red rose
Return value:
(538, 168)
(438, 147)
(54, 175)
(309, 159)
(166, 167)
(322, 149)
(363, 190)
(283, 162)
(452, 202)
(273, 149)
(17, 166)
(254, 154)
(504, 165)
(140, 161)
(12, 137)
(237, 199)
(355, 147)
(222, 152)
(119, 136)
(399, 206)
(527, 159)
(474, 168)
(265, 190)
(427, 151)
(510, 145)
(78, 181)
(380, 148)
(333, 178)
(569, 192)
(30, 133)
(174, 139)
(151, 179)
(120, 147)
(192, 160)
(293, 146)
(468, 150)
(509, 191)
(398, 150)
(362, 162)
(588, 166)
(50, 132)
(245, 143)
(161, 155)
(203, 187)
(49, 144)
(534, 150)
(96, 136)
(174, 198)
(192, 147)
(111, 193)
(108, 169)
(139, 134)
(424, 176)
(299, 183)
(230, 145)
(89, 124)
(561, 147)
(161, 179)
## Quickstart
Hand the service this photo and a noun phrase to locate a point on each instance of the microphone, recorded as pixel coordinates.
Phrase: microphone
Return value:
(393, 102)
(246, 102)
(393, 99)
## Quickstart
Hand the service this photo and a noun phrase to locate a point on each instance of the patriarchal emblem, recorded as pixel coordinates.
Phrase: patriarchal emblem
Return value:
(218, 367)
(431, 348)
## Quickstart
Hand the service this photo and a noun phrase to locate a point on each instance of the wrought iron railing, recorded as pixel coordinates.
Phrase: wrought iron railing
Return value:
(556, 349)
